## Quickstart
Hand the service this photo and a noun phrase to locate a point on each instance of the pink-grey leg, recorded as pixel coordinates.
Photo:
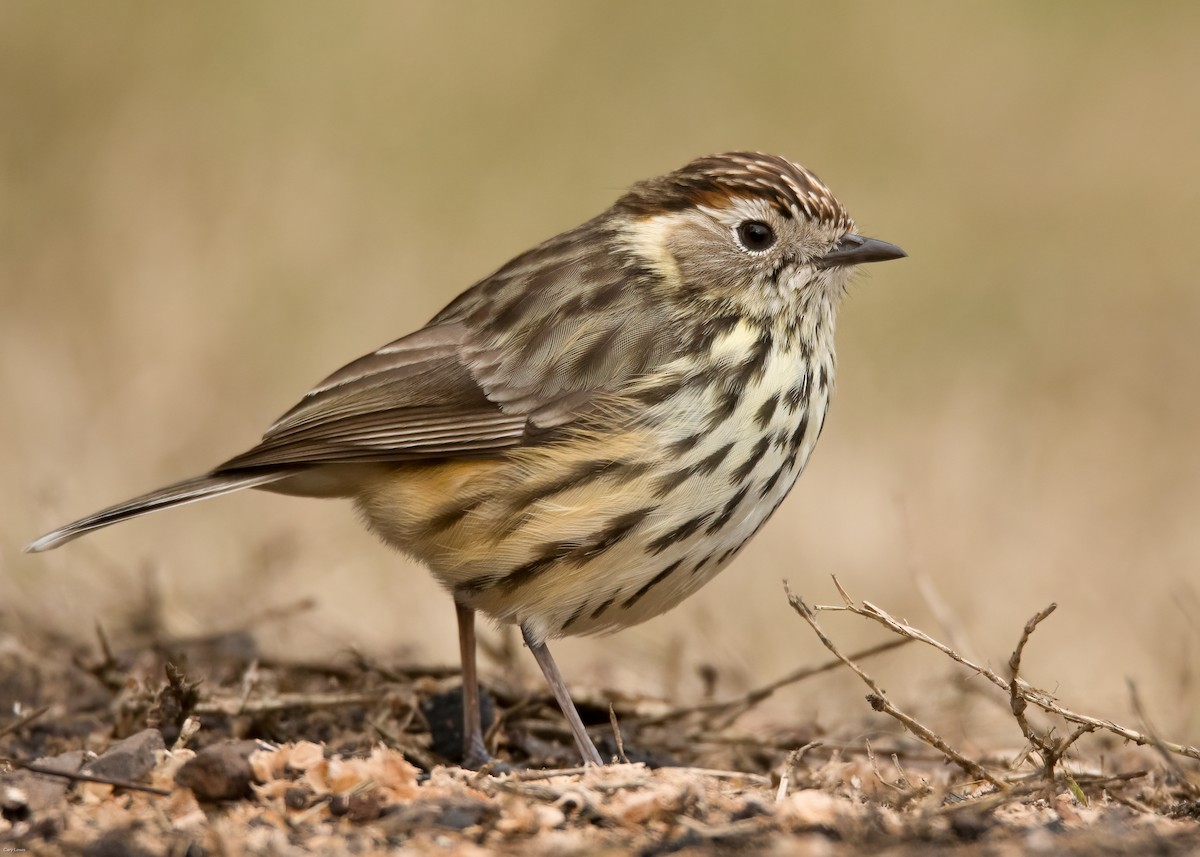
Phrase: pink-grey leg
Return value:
(559, 688)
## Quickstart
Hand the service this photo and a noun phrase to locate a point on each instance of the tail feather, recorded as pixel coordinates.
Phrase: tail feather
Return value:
(179, 494)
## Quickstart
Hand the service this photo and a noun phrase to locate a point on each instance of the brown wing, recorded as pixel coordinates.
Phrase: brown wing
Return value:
(525, 351)
(413, 398)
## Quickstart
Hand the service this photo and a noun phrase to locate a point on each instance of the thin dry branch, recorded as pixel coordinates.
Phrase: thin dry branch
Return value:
(234, 706)
(738, 706)
(1039, 698)
(79, 776)
(789, 767)
(1045, 746)
(550, 773)
(879, 701)
(23, 721)
(617, 736)
(1014, 661)
(1159, 745)
(874, 763)
(942, 613)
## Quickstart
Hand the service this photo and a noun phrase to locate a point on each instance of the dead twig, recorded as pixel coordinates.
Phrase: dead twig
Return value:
(547, 773)
(740, 705)
(1050, 751)
(991, 800)
(1039, 698)
(365, 663)
(78, 776)
(900, 772)
(793, 759)
(250, 679)
(107, 670)
(616, 728)
(235, 705)
(874, 763)
(879, 701)
(1186, 781)
(23, 721)
(942, 613)
(1017, 702)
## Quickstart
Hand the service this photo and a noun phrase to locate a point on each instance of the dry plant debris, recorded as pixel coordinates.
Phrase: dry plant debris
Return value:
(195, 747)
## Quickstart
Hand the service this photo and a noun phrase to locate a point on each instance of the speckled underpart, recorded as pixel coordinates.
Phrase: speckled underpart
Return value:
(652, 488)
(601, 530)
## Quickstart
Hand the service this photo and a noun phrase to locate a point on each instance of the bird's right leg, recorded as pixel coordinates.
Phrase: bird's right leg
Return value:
(475, 754)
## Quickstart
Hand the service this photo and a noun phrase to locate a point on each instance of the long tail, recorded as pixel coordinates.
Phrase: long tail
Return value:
(179, 494)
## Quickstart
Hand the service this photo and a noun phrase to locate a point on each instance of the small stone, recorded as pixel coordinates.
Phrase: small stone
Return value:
(359, 807)
(451, 814)
(295, 798)
(220, 772)
(130, 759)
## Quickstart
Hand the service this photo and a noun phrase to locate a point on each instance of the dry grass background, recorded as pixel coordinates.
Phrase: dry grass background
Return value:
(206, 208)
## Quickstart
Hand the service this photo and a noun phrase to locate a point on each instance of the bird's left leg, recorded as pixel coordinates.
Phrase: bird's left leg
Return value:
(559, 688)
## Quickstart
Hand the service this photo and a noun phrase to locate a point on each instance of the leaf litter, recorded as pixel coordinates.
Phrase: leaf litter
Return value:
(204, 746)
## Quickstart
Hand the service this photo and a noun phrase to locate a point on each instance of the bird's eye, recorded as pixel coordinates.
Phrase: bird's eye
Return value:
(755, 235)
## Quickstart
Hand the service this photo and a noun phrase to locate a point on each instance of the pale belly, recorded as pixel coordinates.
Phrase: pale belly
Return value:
(614, 529)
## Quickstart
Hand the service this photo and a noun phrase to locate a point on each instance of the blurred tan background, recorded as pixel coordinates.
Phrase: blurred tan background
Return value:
(206, 208)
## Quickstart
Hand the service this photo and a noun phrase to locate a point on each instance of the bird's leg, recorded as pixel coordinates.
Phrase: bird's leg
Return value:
(559, 688)
(475, 753)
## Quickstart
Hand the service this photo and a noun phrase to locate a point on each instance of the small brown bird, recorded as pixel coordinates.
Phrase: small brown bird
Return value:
(586, 437)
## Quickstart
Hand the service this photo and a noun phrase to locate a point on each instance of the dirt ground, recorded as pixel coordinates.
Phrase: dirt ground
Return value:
(161, 746)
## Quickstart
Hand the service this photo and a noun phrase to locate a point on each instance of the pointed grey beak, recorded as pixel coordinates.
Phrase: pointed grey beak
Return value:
(856, 249)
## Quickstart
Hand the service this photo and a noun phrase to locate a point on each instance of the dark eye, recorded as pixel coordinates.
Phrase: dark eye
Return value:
(755, 235)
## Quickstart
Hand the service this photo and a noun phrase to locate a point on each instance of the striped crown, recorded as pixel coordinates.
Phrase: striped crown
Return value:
(711, 180)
